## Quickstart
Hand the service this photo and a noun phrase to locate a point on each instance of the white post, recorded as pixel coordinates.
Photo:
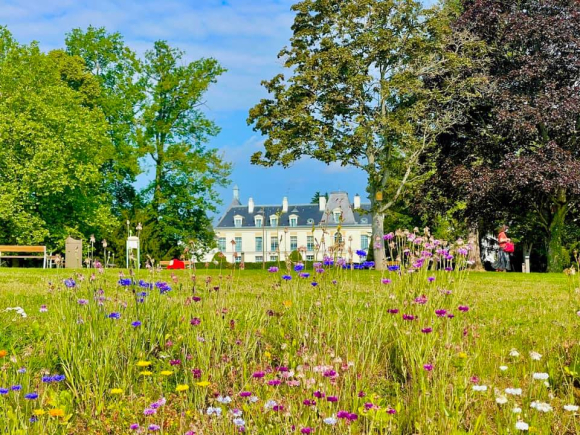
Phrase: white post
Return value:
(527, 263)
(44, 260)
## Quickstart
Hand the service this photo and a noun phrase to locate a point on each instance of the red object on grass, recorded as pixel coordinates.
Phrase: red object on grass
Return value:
(176, 264)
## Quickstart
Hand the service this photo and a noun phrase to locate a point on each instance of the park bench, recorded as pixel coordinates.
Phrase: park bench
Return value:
(23, 250)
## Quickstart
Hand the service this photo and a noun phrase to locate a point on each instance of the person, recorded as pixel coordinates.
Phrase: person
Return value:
(503, 258)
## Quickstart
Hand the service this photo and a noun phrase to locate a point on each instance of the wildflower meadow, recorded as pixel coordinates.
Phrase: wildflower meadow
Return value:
(425, 347)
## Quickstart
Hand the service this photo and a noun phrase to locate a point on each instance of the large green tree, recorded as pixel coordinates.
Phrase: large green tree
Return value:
(117, 69)
(173, 133)
(359, 92)
(53, 145)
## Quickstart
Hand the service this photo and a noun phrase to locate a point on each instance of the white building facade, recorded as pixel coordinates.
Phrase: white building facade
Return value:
(332, 228)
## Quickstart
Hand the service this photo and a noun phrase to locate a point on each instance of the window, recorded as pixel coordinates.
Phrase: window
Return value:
(364, 221)
(293, 243)
(274, 243)
(222, 244)
(238, 221)
(273, 258)
(274, 221)
(336, 213)
(259, 244)
(259, 258)
(310, 258)
(364, 242)
(259, 221)
(338, 238)
(238, 244)
(293, 221)
(310, 243)
(238, 258)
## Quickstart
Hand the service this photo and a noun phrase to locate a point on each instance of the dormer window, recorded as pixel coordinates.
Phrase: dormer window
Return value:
(238, 221)
(259, 221)
(293, 221)
(336, 213)
(274, 220)
(364, 221)
(310, 221)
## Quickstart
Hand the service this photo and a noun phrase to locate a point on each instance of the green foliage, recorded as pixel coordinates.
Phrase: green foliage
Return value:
(53, 144)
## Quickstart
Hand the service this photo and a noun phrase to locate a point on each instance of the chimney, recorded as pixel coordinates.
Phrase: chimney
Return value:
(236, 192)
(322, 203)
(251, 205)
(356, 204)
(285, 205)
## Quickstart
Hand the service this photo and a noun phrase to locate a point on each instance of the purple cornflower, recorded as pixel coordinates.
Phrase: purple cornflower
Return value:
(245, 394)
(43, 309)
(273, 269)
(83, 302)
(421, 300)
(196, 373)
(304, 275)
(391, 411)
(342, 414)
(175, 362)
(306, 430)
(332, 399)
(409, 317)
(154, 427)
(309, 402)
(258, 375)
(274, 382)
(319, 394)
(134, 426)
(441, 313)
(463, 308)
(428, 367)
(393, 311)
(431, 279)
(150, 411)
(195, 321)
(427, 330)
(386, 281)
(70, 283)
(329, 373)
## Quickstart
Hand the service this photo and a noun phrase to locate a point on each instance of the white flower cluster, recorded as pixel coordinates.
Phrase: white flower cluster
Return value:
(19, 310)
(541, 406)
(514, 391)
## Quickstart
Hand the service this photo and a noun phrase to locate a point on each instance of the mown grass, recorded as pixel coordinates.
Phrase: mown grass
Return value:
(254, 321)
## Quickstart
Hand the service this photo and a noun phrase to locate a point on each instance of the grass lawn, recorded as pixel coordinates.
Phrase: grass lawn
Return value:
(349, 355)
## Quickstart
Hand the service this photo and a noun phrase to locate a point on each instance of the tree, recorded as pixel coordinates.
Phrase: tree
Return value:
(317, 195)
(173, 132)
(522, 139)
(361, 92)
(117, 69)
(53, 145)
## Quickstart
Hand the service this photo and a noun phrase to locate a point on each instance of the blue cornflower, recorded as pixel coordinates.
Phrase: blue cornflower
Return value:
(136, 323)
(58, 378)
(142, 294)
(304, 275)
(70, 283)
(4, 390)
(22, 370)
(361, 253)
(299, 267)
(368, 264)
(145, 284)
(47, 379)
(162, 286)
(33, 419)
(328, 261)
(394, 267)
(31, 396)
(115, 316)
(125, 281)
(313, 284)
(16, 387)
(286, 277)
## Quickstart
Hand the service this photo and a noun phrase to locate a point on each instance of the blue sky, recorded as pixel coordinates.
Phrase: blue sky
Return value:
(244, 35)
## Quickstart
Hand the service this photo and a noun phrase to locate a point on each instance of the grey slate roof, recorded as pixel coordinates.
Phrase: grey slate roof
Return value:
(308, 214)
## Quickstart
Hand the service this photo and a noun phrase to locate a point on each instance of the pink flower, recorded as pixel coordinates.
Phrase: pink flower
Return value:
(428, 367)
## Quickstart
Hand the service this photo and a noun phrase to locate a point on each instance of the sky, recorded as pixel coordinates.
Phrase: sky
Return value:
(245, 36)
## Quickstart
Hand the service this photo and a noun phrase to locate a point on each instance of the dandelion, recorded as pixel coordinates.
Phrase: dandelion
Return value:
(181, 387)
(146, 373)
(56, 412)
(39, 412)
(166, 373)
(203, 384)
(143, 364)
(462, 355)
(116, 391)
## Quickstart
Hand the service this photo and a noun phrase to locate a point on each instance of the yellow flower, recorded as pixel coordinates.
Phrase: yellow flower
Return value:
(287, 304)
(203, 383)
(116, 391)
(39, 412)
(56, 412)
(166, 373)
(143, 364)
(182, 387)
(146, 373)
(267, 355)
(462, 355)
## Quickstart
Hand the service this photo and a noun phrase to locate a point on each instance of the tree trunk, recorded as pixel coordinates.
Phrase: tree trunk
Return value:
(555, 250)
(475, 252)
(377, 240)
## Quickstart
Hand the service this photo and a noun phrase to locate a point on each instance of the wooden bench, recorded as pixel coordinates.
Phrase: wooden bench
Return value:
(24, 250)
